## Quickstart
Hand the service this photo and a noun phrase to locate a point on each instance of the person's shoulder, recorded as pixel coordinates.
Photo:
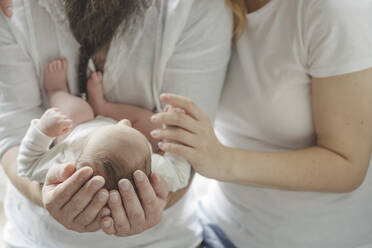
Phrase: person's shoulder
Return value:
(338, 17)
(336, 10)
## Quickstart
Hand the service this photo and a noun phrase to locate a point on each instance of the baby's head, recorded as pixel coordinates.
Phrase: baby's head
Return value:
(116, 152)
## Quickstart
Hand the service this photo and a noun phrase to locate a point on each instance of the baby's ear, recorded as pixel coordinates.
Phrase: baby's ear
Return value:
(125, 122)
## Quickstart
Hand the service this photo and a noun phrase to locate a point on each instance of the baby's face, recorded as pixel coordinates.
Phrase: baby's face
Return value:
(114, 152)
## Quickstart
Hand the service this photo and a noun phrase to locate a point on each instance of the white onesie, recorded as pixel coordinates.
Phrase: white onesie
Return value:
(35, 156)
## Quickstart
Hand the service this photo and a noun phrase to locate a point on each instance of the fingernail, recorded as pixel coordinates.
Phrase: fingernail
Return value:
(103, 196)
(161, 145)
(114, 197)
(105, 212)
(139, 176)
(154, 117)
(9, 11)
(97, 185)
(107, 223)
(124, 185)
(87, 173)
(155, 133)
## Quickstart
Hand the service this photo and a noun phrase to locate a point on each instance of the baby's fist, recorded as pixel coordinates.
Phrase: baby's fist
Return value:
(53, 123)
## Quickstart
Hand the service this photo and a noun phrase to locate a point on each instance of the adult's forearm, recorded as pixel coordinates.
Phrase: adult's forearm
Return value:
(30, 189)
(312, 169)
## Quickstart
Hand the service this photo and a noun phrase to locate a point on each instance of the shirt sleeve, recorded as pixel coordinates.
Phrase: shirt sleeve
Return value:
(20, 98)
(34, 146)
(338, 36)
(198, 63)
(174, 169)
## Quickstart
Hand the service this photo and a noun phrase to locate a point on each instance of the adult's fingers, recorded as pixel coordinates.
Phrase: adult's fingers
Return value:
(82, 198)
(133, 207)
(121, 222)
(179, 149)
(91, 212)
(59, 173)
(108, 225)
(160, 186)
(149, 200)
(177, 119)
(55, 196)
(184, 103)
(96, 225)
(7, 7)
(176, 135)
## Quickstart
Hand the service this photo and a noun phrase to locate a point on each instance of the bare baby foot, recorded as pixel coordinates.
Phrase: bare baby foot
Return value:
(95, 93)
(55, 76)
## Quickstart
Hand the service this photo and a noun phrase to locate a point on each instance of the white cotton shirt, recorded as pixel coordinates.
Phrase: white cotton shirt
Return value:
(183, 47)
(266, 106)
(35, 156)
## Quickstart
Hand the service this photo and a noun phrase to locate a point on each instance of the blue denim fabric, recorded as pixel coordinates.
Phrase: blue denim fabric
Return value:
(213, 236)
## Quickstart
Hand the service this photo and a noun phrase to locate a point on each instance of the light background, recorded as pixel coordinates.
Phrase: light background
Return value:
(2, 219)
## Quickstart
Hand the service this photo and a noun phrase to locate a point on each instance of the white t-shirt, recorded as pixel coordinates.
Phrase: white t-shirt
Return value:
(35, 157)
(266, 106)
(182, 47)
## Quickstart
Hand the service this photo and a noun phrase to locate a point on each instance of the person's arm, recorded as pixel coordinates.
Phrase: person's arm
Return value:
(31, 190)
(337, 56)
(338, 163)
(7, 7)
(139, 117)
(20, 102)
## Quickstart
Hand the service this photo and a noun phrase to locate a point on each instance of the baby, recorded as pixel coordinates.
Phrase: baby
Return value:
(112, 149)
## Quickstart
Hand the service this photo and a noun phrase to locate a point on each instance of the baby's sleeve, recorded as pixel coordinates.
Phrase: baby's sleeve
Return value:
(34, 146)
(174, 169)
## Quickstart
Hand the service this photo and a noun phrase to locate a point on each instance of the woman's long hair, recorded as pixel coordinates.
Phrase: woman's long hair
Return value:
(239, 9)
(94, 24)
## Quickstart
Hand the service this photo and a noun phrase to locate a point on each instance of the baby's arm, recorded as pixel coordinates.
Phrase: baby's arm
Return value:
(37, 141)
(139, 117)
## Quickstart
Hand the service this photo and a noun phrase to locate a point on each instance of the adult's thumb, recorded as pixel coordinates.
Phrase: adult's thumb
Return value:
(59, 173)
(7, 7)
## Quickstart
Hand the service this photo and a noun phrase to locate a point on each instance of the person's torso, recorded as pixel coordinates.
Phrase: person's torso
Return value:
(266, 106)
(133, 71)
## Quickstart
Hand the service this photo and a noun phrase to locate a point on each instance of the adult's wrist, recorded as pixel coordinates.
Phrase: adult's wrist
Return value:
(228, 166)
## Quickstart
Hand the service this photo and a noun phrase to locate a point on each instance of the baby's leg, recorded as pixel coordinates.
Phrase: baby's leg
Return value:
(55, 84)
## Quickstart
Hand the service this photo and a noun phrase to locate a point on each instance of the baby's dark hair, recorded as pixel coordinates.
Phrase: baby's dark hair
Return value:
(94, 24)
(117, 169)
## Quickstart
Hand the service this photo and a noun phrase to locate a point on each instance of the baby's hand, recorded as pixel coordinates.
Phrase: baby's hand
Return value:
(53, 123)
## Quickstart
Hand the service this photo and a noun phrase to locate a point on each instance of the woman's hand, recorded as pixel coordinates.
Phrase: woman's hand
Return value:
(142, 124)
(131, 215)
(75, 199)
(7, 7)
(190, 134)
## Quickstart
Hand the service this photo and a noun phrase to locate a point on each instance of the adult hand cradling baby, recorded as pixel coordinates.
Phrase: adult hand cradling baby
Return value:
(77, 201)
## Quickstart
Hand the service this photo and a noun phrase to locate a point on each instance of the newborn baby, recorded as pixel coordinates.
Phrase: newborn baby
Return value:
(112, 149)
